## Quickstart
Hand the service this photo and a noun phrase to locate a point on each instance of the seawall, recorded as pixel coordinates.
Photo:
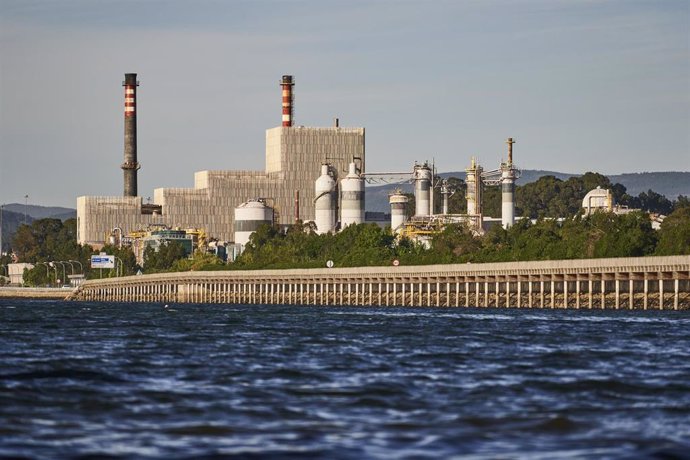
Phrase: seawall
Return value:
(635, 283)
(34, 293)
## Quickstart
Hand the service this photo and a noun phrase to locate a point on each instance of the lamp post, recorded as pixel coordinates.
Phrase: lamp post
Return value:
(52, 264)
(47, 264)
(70, 265)
(81, 267)
(122, 266)
(64, 275)
(47, 268)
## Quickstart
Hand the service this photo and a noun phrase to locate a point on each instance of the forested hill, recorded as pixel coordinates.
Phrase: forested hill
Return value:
(41, 212)
(669, 184)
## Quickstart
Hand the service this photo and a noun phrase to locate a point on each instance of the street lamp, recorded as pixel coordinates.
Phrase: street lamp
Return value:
(47, 268)
(122, 267)
(81, 267)
(52, 264)
(70, 265)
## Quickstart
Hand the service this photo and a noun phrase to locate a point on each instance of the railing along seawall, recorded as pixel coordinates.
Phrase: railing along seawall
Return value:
(635, 283)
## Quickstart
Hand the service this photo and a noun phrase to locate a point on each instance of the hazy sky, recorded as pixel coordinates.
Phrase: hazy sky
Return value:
(581, 85)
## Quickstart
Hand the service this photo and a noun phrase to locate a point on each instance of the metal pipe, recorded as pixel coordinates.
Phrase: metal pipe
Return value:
(296, 205)
(510, 143)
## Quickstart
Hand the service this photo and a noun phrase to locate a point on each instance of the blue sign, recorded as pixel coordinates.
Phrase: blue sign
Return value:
(103, 261)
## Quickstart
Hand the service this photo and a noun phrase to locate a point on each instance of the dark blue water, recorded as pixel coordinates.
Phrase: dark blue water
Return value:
(88, 380)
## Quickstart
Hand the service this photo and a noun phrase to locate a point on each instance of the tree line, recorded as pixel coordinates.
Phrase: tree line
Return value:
(599, 235)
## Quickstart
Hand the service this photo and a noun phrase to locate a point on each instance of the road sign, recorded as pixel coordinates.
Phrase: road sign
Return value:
(329, 264)
(103, 261)
(396, 262)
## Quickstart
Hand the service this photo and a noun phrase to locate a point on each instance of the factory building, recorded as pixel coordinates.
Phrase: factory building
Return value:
(294, 155)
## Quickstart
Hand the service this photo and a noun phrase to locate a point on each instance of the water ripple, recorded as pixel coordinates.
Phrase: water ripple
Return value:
(94, 380)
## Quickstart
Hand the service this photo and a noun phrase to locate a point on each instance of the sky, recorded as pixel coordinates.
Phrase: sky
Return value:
(581, 85)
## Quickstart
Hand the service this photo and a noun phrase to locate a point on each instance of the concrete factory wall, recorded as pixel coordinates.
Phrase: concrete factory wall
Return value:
(293, 162)
(98, 215)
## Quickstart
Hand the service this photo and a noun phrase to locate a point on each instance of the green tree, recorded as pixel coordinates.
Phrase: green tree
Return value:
(200, 261)
(674, 234)
(163, 259)
(682, 202)
(651, 201)
(628, 235)
(50, 240)
(455, 243)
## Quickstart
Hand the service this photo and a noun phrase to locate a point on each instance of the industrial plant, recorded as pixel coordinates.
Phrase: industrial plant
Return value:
(312, 174)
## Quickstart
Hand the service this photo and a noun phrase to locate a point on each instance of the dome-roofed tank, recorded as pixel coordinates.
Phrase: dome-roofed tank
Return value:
(325, 200)
(352, 198)
(249, 216)
(598, 199)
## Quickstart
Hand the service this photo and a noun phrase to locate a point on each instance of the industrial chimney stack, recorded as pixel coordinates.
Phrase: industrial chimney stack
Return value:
(130, 166)
(286, 85)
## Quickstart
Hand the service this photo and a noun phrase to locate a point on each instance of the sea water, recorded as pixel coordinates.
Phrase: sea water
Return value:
(94, 380)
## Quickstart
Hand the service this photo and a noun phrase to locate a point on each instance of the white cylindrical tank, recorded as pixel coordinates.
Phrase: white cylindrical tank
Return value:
(422, 190)
(507, 198)
(325, 201)
(248, 217)
(352, 198)
(445, 194)
(398, 203)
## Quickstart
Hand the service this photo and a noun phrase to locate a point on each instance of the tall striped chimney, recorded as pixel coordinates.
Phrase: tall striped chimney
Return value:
(130, 166)
(286, 85)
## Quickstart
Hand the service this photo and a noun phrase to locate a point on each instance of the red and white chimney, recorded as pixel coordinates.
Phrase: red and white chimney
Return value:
(286, 85)
(130, 166)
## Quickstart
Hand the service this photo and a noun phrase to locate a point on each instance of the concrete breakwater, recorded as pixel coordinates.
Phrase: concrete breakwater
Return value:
(8, 292)
(635, 283)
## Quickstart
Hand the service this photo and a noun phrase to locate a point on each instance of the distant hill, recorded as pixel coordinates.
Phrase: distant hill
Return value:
(669, 184)
(532, 175)
(13, 217)
(42, 212)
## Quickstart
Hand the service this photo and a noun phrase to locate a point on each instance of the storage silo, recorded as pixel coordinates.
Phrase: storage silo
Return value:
(398, 202)
(422, 190)
(352, 198)
(248, 217)
(508, 188)
(325, 200)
